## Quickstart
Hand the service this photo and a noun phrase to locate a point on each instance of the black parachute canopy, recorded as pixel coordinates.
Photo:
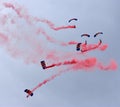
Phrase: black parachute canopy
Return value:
(72, 19)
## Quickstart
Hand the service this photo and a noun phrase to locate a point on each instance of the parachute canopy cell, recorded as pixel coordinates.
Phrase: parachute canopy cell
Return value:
(98, 33)
(72, 19)
(85, 35)
(43, 64)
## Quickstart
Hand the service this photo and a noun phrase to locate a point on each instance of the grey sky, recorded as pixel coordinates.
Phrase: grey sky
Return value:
(73, 89)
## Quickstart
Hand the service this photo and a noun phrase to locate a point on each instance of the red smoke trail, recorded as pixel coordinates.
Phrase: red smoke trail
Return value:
(69, 43)
(72, 42)
(20, 35)
(86, 64)
(89, 47)
(93, 63)
(21, 13)
(64, 27)
(3, 39)
(52, 26)
(47, 80)
(22, 40)
(52, 40)
(103, 47)
(74, 61)
(16, 9)
(112, 65)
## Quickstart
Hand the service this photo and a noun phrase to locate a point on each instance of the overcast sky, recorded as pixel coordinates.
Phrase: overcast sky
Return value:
(72, 89)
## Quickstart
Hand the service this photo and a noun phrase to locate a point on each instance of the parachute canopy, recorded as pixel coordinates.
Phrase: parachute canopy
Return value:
(28, 92)
(72, 19)
(98, 33)
(78, 46)
(85, 35)
(43, 64)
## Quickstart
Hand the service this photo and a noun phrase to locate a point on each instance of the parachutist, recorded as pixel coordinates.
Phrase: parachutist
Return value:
(29, 92)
